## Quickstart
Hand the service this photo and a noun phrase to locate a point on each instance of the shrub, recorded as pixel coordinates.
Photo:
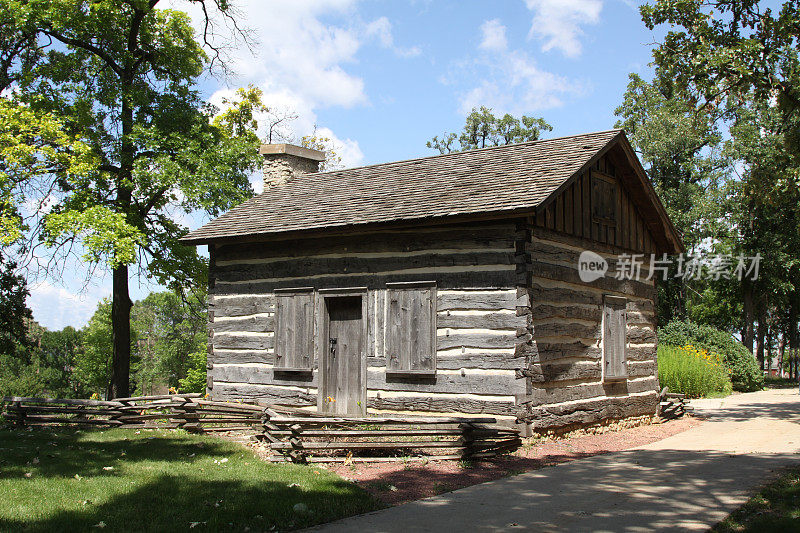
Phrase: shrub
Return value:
(692, 371)
(195, 380)
(745, 374)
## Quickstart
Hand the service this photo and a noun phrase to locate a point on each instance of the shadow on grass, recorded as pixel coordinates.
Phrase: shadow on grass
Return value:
(171, 503)
(159, 482)
(66, 452)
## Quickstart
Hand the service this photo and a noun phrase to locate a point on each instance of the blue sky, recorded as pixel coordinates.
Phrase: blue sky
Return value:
(381, 78)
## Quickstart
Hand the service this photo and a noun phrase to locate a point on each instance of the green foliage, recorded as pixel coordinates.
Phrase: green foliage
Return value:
(120, 78)
(745, 374)
(483, 128)
(20, 378)
(693, 372)
(93, 367)
(169, 330)
(160, 481)
(33, 147)
(195, 380)
(14, 312)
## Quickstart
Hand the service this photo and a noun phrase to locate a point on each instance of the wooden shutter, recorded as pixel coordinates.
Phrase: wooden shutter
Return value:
(294, 330)
(411, 328)
(615, 328)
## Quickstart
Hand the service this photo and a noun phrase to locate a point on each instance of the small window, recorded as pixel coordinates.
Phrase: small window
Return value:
(615, 327)
(411, 328)
(294, 330)
(604, 199)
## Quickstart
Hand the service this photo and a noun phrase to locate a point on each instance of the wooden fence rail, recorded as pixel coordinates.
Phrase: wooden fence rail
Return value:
(317, 438)
(292, 434)
(186, 411)
(672, 405)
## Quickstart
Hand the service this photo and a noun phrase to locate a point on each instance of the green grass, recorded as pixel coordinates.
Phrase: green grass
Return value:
(776, 507)
(159, 481)
(693, 372)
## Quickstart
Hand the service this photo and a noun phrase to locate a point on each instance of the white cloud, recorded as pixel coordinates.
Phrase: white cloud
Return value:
(55, 307)
(493, 35)
(511, 80)
(301, 62)
(382, 29)
(513, 83)
(558, 22)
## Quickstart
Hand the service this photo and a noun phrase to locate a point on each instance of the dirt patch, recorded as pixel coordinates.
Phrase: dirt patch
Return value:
(396, 483)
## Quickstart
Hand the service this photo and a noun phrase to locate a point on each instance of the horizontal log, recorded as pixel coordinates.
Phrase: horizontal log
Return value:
(318, 446)
(468, 300)
(242, 305)
(221, 356)
(271, 394)
(474, 382)
(413, 420)
(545, 372)
(551, 252)
(478, 235)
(590, 411)
(485, 277)
(253, 324)
(457, 361)
(315, 266)
(560, 393)
(486, 321)
(562, 328)
(171, 397)
(607, 283)
(261, 375)
(243, 342)
(476, 340)
(444, 405)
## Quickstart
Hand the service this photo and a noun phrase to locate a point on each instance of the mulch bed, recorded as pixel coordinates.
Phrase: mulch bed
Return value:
(396, 483)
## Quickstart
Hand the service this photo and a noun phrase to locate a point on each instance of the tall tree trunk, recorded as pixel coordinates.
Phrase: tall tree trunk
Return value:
(749, 315)
(121, 301)
(760, 335)
(793, 337)
(121, 327)
(781, 352)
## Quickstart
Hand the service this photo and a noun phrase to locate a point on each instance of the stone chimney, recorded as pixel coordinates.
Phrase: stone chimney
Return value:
(283, 162)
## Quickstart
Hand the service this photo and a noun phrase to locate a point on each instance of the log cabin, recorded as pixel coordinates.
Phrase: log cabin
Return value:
(444, 284)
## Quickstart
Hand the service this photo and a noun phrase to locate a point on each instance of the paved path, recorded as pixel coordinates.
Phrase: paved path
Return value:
(688, 481)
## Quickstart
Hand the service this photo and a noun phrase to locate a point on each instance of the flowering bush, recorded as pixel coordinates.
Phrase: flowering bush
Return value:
(693, 371)
(745, 376)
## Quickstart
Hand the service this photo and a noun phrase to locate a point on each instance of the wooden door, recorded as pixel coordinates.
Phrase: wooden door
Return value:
(343, 384)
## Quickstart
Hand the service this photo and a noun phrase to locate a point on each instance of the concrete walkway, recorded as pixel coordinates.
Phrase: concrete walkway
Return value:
(688, 481)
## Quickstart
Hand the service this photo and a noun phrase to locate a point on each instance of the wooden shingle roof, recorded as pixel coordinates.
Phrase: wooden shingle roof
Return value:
(504, 179)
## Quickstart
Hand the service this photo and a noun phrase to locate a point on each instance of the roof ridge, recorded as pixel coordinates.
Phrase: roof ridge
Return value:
(451, 154)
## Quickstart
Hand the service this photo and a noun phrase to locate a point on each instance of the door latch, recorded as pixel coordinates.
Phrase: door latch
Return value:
(333, 342)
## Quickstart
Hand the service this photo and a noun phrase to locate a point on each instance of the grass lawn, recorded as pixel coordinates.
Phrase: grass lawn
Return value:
(158, 480)
(776, 507)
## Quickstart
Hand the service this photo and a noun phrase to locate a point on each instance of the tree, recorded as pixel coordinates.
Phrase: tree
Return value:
(168, 329)
(93, 366)
(681, 148)
(14, 312)
(120, 76)
(739, 60)
(483, 129)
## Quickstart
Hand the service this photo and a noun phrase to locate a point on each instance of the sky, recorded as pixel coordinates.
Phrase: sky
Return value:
(380, 78)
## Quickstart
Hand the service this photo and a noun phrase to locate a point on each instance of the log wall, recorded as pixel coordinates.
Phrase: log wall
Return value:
(563, 359)
(479, 291)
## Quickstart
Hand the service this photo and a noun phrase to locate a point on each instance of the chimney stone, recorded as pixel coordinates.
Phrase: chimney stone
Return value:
(282, 162)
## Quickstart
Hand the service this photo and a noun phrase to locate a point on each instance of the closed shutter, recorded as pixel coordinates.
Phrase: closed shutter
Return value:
(294, 330)
(411, 328)
(615, 328)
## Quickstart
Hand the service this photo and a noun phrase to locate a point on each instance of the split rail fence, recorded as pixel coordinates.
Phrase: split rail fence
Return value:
(291, 434)
(306, 437)
(672, 405)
